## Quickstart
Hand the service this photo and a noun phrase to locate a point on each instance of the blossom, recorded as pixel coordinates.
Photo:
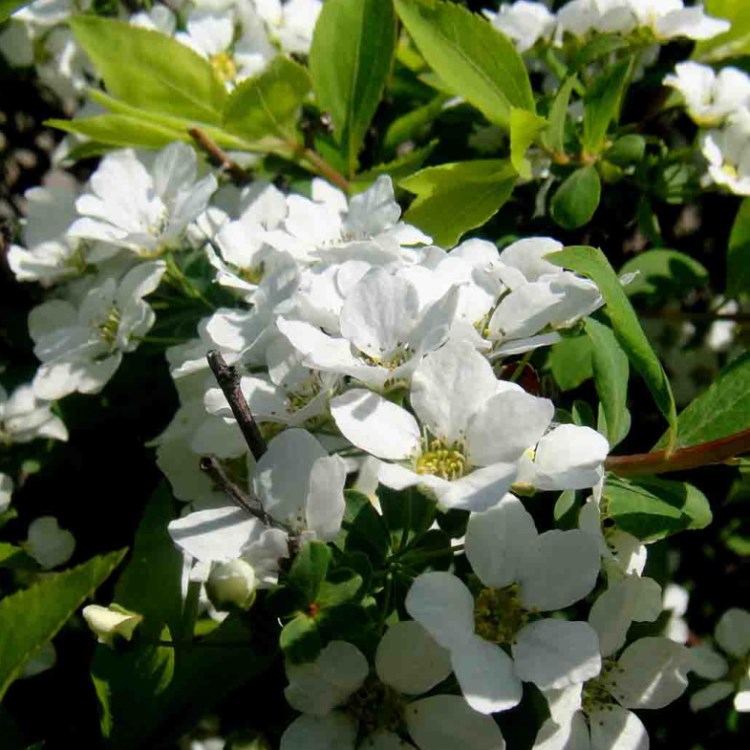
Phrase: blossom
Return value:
(47, 543)
(143, 210)
(727, 151)
(710, 97)
(524, 22)
(81, 348)
(340, 700)
(291, 23)
(107, 622)
(729, 674)
(522, 573)
(23, 417)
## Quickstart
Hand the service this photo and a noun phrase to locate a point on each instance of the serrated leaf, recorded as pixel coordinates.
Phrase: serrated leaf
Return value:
(738, 252)
(576, 200)
(721, 410)
(32, 617)
(611, 371)
(663, 274)
(150, 70)
(151, 582)
(121, 130)
(651, 509)
(16, 557)
(593, 263)
(570, 362)
(732, 43)
(350, 60)
(470, 56)
(525, 128)
(554, 137)
(602, 104)
(454, 198)
(265, 109)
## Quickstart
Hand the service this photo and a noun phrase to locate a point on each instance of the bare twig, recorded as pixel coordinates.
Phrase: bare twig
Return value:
(218, 155)
(228, 379)
(324, 169)
(662, 462)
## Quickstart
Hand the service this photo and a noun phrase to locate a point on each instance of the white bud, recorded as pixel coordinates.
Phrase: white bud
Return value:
(107, 622)
(232, 583)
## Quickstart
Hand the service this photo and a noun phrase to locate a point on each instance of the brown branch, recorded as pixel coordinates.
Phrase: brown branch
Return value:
(682, 459)
(324, 169)
(228, 379)
(220, 157)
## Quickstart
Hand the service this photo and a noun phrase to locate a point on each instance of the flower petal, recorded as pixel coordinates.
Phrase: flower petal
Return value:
(616, 727)
(733, 632)
(337, 731)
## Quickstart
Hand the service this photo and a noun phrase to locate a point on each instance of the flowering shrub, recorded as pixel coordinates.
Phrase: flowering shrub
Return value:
(352, 340)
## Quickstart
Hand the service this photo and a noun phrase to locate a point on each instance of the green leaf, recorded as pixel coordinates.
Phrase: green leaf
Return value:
(265, 109)
(15, 557)
(626, 150)
(398, 169)
(8, 7)
(738, 253)
(570, 362)
(663, 274)
(414, 124)
(732, 43)
(407, 514)
(525, 128)
(721, 410)
(470, 55)
(150, 70)
(121, 130)
(368, 534)
(602, 105)
(454, 198)
(593, 263)
(652, 509)
(611, 373)
(577, 199)
(151, 582)
(553, 138)
(350, 60)
(309, 570)
(341, 586)
(300, 639)
(32, 617)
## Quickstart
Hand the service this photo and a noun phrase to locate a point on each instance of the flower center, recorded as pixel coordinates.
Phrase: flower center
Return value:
(499, 614)
(596, 695)
(441, 460)
(304, 394)
(224, 66)
(730, 170)
(108, 329)
(253, 274)
(376, 707)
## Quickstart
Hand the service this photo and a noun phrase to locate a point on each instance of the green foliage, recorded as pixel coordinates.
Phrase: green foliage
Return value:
(738, 253)
(553, 138)
(454, 198)
(8, 7)
(602, 104)
(570, 362)
(662, 274)
(611, 372)
(161, 75)
(627, 150)
(577, 199)
(32, 617)
(593, 263)
(652, 509)
(721, 410)
(121, 130)
(309, 571)
(733, 43)
(525, 128)
(350, 60)
(470, 56)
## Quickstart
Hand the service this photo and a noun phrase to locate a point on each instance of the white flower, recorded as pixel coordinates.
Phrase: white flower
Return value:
(475, 428)
(669, 19)
(211, 34)
(291, 23)
(340, 700)
(158, 18)
(48, 544)
(233, 582)
(710, 97)
(80, 349)
(50, 12)
(23, 417)
(730, 675)
(524, 22)
(523, 573)
(6, 492)
(144, 211)
(728, 153)
(107, 622)
(676, 603)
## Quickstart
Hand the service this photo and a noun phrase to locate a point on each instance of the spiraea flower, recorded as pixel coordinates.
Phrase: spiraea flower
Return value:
(727, 151)
(524, 22)
(23, 417)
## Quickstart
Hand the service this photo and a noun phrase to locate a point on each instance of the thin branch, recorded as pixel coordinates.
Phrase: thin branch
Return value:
(682, 459)
(228, 379)
(218, 155)
(326, 170)
(251, 505)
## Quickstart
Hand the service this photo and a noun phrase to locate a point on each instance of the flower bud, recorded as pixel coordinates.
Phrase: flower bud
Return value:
(232, 583)
(107, 622)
